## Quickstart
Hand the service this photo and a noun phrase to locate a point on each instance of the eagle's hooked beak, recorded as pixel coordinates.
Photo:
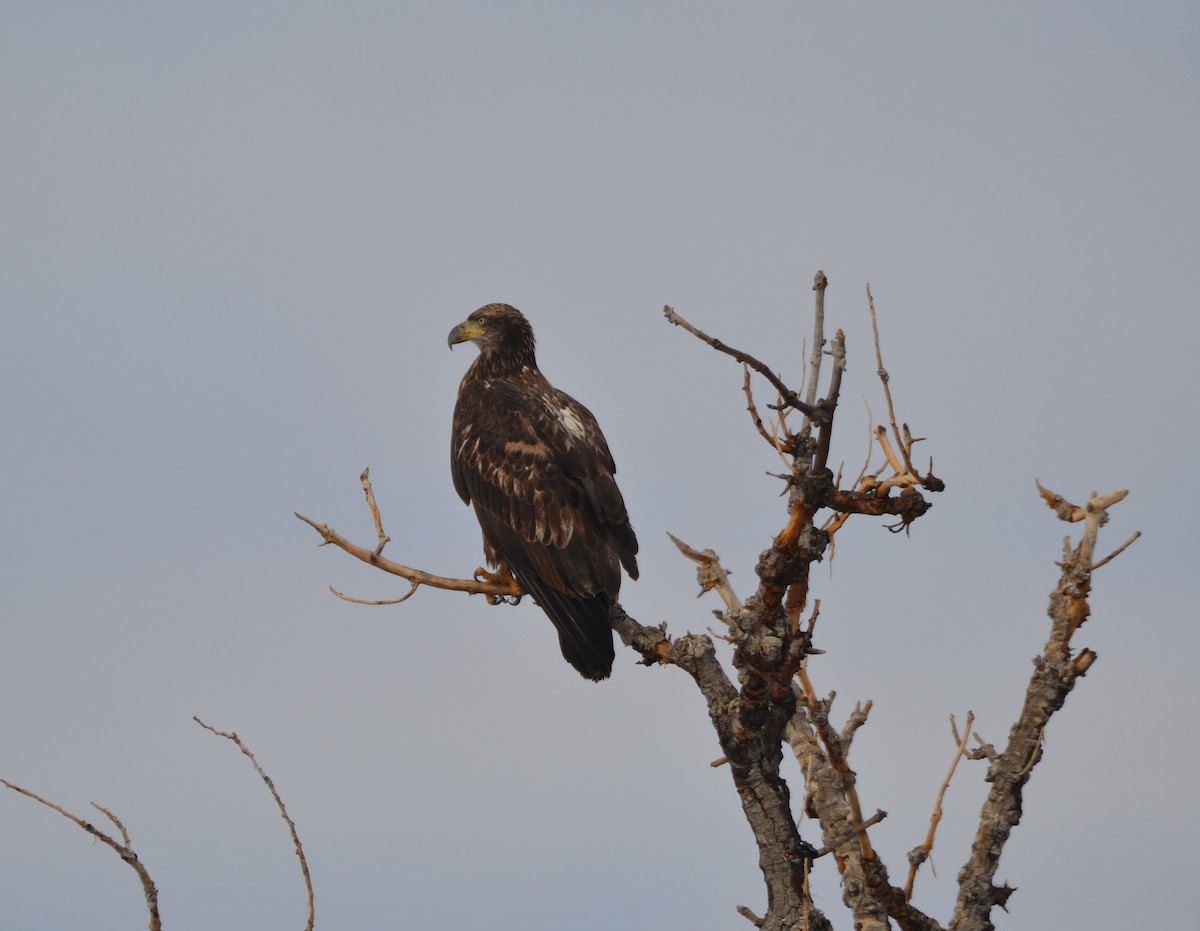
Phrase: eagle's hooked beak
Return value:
(466, 330)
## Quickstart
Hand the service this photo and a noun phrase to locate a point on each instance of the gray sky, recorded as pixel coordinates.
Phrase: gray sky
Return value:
(233, 238)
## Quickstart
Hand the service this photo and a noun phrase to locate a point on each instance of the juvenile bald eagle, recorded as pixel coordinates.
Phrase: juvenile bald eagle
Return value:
(533, 462)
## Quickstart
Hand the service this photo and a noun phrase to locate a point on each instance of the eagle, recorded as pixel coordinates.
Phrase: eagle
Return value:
(535, 466)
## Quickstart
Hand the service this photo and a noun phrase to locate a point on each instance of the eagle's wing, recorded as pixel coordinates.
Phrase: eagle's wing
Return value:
(538, 470)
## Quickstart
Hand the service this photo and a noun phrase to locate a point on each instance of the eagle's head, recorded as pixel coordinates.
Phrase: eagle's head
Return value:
(503, 335)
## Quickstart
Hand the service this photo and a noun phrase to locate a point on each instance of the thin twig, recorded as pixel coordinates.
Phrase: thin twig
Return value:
(879, 815)
(124, 851)
(384, 539)
(862, 473)
(115, 820)
(386, 601)
(829, 405)
(229, 735)
(789, 397)
(1117, 552)
(813, 378)
(835, 754)
(753, 409)
(885, 378)
(1035, 755)
(920, 854)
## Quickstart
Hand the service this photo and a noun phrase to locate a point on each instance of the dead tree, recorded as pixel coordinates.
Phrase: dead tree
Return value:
(769, 706)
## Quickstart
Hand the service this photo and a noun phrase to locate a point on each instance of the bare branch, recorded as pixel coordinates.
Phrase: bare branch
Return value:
(826, 800)
(884, 378)
(856, 720)
(1117, 552)
(789, 397)
(920, 854)
(386, 601)
(384, 539)
(1083, 662)
(115, 820)
(908, 505)
(1055, 674)
(125, 851)
(710, 574)
(879, 815)
(229, 735)
(984, 751)
(829, 405)
(652, 642)
(1061, 506)
(886, 446)
(415, 576)
(820, 283)
(836, 755)
(753, 409)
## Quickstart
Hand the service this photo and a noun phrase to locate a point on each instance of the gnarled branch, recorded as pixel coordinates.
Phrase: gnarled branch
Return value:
(1054, 676)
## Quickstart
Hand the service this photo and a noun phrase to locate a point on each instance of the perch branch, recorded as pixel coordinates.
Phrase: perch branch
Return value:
(229, 735)
(125, 851)
(415, 576)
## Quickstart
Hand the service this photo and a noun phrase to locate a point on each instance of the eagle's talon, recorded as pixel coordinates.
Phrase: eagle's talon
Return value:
(503, 577)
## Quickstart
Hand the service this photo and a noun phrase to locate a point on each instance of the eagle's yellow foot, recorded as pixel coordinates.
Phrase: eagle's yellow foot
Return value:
(503, 576)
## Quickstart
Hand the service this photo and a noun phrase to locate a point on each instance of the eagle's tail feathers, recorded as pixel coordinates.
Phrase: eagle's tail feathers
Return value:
(583, 629)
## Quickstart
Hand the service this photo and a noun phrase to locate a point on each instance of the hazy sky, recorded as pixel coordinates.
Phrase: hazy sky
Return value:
(233, 237)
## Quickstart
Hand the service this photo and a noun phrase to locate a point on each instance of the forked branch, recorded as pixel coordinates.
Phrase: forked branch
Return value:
(485, 583)
(920, 854)
(124, 850)
(1055, 672)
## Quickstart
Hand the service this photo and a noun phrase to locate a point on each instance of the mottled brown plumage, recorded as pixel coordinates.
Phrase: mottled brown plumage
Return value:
(533, 462)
